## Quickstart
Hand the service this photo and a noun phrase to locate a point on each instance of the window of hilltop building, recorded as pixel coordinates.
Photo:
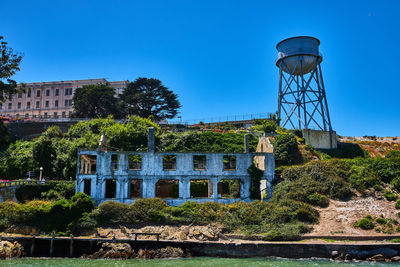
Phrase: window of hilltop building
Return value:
(56, 103)
(169, 162)
(47, 104)
(26, 115)
(68, 102)
(28, 105)
(38, 93)
(201, 189)
(87, 186)
(114, 162)
(47, 92)
(134, 162)
(229, 163)
(1, 106)
(63, 114)
(45, 114)
(29, 92)
(199, 162)
(33, 116)
(57, 92)
(19, 95)
(229, 188)
(55, 115)
(9, 105)
(69, 113)
(135, 188)
(19, 105)
(37, 104)
(68, 91)
(111, 188)
(167, 188)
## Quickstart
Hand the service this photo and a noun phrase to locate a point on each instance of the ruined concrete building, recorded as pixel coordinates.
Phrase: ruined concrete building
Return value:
(175, 177)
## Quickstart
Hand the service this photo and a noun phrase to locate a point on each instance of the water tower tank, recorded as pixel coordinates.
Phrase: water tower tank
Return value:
(302, 100)
(289, 51)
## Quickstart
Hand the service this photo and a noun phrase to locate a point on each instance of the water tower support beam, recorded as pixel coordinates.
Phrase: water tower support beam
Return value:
(324, 95)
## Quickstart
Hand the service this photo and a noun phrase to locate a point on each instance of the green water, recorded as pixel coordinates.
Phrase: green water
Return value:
(191, 262)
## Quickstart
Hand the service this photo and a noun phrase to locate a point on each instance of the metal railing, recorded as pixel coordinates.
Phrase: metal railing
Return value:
(19, 183)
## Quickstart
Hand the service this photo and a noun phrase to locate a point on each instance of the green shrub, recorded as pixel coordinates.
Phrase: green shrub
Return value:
(111, 212)
(286, 150)
(397, 205)
(82, 225)
(396, 184)
(306, 214)
(381, 220)
(318, 200)
(52, 190)
(363, 177)
(346, 150)
(389, 195)
(365, 223)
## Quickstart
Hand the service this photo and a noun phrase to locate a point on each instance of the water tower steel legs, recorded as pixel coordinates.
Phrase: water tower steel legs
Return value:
(298, 97)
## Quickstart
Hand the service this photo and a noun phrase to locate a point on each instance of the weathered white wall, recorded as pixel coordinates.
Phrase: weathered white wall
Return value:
(152, 171)
(320, 139)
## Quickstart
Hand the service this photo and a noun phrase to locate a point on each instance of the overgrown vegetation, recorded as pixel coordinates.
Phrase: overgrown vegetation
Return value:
(61, 216)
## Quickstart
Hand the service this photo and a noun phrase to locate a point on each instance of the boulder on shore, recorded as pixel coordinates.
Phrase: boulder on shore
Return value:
(10, 250)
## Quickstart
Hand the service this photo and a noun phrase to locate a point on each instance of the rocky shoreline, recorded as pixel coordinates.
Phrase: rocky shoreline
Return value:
(125, 251)
(11, 250)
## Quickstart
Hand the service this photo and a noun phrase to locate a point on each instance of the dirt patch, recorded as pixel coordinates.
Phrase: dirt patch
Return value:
(339, 217)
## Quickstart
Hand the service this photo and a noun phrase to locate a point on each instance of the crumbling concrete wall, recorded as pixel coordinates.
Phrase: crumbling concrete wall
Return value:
(320, 139)
(152, 171)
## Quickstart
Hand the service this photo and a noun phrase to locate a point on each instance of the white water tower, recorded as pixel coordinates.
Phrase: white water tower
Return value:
(302, 100)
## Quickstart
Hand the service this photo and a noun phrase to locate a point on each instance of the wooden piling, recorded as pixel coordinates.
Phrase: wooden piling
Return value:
(71, 247)
(32, 246)
(52, 244)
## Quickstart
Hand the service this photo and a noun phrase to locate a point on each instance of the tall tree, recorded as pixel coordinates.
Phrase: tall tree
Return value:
(95, 100)
(145, 97)
(9, 65)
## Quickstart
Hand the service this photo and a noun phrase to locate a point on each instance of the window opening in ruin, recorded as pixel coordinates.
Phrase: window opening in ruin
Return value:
(88, 164)
(229, 188)
(135, 162)
(199, 162)
(111, 188)
(169, 162)
(114, 162)
(201, 189)
(167, 188)
(135, 189)
(87, 186)
(229, 163)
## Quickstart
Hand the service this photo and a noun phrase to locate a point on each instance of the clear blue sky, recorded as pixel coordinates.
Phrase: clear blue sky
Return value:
(218, 56)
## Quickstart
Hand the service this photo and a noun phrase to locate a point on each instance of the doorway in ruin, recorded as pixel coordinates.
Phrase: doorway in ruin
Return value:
(201, 189)
(135, 188)
(111, 188)
(167, 188)
(87, 164)
(87, 186)
(229, 188)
